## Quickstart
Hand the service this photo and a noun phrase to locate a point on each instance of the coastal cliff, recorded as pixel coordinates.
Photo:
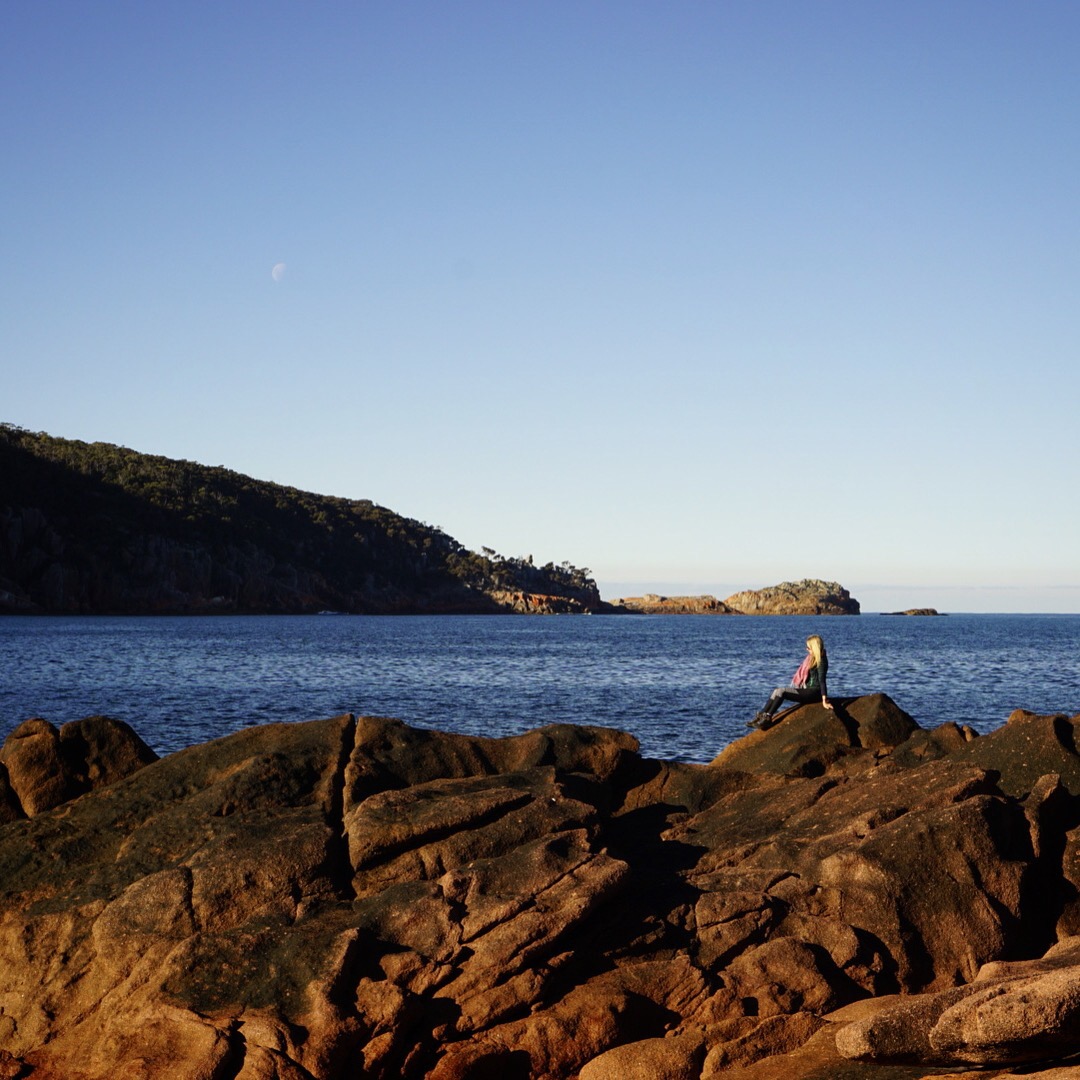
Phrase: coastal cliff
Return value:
(844, 894)
(91, 528)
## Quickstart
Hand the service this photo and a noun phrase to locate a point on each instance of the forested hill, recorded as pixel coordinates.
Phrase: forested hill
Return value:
(89, 528)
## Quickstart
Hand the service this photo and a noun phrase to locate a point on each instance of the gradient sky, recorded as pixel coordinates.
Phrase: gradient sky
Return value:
(702, 296)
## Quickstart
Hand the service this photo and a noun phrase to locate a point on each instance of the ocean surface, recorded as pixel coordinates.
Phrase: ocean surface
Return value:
(683, 685)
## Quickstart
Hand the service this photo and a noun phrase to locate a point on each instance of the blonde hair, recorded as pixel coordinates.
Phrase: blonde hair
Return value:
(817, 648)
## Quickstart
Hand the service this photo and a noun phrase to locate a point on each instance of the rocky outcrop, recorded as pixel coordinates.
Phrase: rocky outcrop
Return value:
(42, 766)
(1016, 1012)
(521, 602)
(843, 895)
(807, 597)
(789, 598)
(654, 604)
(914, 611)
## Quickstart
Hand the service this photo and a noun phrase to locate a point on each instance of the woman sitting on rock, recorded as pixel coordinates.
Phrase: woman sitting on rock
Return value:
(807, 684)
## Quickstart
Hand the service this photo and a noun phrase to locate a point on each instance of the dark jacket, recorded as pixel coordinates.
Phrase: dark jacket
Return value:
(816, 679)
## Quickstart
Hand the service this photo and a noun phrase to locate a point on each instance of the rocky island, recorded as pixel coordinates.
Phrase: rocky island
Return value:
(845, 895)
(810, 596)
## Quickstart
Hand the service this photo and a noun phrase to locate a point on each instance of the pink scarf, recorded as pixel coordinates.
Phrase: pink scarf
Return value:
(800, 676)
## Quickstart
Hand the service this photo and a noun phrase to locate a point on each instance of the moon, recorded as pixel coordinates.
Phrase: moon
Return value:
(278, 271)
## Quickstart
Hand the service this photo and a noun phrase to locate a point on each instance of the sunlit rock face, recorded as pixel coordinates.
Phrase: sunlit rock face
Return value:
(808, 597)
(654, 604)
(844, 894)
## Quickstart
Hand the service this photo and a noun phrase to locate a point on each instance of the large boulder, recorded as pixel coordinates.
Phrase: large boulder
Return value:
(170, 896)
(100, 750)
(1026, 747)
(930, 868)
(389, 754)
(677, 1058)
(1010, 1014)
(46, 766)
(807, 739)
(35, 769)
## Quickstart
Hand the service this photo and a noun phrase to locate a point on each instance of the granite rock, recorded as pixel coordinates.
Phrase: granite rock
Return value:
(45, 766)
(810, 596)
(842, 896)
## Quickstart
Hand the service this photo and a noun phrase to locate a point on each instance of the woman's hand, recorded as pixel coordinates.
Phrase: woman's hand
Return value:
(828, 704)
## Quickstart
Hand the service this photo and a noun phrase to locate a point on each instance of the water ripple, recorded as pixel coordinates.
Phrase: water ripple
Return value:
(683, 685)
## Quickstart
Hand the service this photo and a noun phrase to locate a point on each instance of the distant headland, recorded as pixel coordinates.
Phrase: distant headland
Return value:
(92, 528)
(98, 529)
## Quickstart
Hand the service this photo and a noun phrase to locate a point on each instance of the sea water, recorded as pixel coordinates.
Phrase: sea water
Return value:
(683, 685)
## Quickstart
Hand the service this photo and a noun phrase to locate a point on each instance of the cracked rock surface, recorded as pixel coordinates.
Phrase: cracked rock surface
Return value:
(845, 896)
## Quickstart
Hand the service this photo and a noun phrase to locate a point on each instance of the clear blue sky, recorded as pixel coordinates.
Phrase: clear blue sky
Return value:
(702, 296)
